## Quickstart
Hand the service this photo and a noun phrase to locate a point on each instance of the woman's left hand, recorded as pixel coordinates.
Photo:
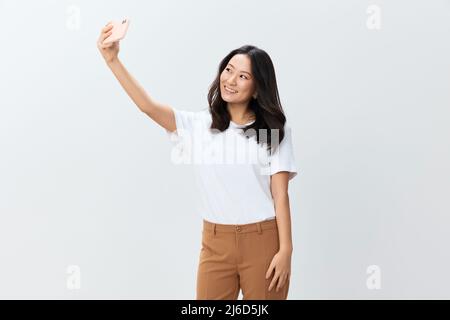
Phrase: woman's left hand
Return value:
(281, 262)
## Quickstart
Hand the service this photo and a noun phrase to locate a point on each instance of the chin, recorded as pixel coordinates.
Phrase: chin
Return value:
(225, 98)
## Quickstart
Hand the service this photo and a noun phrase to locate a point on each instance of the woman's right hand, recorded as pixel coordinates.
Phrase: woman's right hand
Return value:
(111, 50)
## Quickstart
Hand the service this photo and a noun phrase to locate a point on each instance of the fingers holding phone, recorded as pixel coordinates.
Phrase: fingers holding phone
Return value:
(110, 36)
(119, 30)
(105, 33)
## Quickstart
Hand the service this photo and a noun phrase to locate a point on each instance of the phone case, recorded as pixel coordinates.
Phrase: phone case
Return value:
(118, 31)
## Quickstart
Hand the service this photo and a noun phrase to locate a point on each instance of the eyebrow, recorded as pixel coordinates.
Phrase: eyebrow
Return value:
(241, 71)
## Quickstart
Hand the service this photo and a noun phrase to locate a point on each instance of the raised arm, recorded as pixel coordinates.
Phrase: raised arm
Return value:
(160, 113)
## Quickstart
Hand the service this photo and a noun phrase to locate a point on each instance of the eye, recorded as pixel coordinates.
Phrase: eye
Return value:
(241, 75)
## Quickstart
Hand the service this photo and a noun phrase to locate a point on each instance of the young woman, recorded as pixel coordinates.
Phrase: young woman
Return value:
(246, 237)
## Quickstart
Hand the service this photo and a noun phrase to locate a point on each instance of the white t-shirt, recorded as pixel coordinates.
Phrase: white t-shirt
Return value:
(232, 172)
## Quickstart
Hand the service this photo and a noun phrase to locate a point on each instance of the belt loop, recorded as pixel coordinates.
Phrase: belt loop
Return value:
(214, 229)
(259, 228)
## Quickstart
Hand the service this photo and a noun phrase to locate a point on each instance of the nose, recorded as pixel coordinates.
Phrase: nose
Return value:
(231, 81)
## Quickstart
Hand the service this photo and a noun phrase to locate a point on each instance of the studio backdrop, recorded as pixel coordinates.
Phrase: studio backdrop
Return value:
(92, 207)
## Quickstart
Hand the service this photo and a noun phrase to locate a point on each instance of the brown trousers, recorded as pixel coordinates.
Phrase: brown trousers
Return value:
(235, 257)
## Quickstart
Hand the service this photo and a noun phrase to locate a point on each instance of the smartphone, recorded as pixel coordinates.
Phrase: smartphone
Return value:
(119, 30)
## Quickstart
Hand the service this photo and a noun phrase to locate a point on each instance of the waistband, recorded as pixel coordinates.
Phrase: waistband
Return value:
(240, 228)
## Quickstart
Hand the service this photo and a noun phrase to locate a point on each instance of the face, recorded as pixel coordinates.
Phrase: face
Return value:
(238, 77)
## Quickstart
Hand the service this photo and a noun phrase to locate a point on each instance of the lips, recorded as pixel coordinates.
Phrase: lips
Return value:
(229, 90)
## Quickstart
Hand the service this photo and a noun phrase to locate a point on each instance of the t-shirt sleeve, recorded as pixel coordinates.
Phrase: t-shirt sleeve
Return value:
(282, 159)
(186, 122)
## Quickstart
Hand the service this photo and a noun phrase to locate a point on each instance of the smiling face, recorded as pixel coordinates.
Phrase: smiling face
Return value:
(237, 77)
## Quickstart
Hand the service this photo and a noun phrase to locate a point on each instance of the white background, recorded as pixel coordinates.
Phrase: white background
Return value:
(86, 178)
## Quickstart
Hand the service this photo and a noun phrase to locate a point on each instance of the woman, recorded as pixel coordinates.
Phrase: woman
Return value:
(246, 237)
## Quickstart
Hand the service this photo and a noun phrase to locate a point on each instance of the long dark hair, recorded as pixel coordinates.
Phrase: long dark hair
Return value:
(267, 108)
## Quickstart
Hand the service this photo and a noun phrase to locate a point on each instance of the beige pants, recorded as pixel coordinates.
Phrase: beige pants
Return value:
(235, 257)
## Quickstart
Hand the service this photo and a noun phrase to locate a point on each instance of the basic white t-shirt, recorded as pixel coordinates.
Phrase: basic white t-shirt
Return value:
(232, 172)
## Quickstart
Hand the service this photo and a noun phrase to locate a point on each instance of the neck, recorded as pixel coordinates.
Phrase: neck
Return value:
(240, 114)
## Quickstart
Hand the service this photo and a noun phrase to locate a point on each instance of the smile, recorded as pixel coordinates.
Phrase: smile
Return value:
(229, 90)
